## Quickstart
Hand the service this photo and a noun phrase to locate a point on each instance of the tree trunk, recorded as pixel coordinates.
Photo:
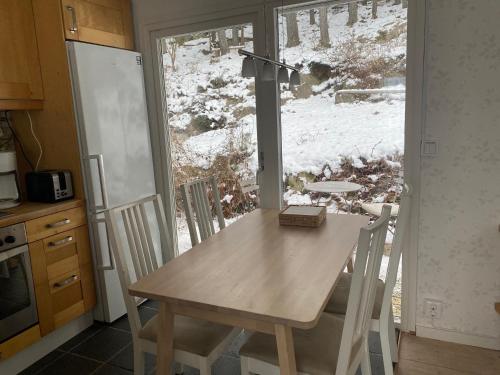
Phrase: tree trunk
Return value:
(235, 38)
(312, 17)
(404, 4)
(374, 8)
(353, 13)
(292, 30)
(242, 40)
(323, 27)
(224, 47)
(397, 2)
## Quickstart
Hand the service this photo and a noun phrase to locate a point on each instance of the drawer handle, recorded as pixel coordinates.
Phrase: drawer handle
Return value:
(59, 223)
(73, 28)
(61, 242)
(67, 281)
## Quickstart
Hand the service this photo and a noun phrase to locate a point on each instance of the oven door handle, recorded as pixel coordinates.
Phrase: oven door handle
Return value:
(13, 252)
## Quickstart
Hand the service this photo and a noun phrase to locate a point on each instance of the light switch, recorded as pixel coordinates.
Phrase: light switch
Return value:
(429, 147)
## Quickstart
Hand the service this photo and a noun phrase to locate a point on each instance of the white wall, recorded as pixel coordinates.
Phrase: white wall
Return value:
(459, 241)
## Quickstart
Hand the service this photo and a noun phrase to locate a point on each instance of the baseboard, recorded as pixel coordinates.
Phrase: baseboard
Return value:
(459, 337)
(40, 349)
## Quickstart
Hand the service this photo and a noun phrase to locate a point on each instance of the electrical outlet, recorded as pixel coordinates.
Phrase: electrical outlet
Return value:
(433, 308)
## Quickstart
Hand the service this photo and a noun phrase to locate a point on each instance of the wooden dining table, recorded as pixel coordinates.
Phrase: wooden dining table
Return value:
(254, 274)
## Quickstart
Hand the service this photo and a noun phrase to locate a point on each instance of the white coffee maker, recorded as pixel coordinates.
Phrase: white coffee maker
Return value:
(9, 184)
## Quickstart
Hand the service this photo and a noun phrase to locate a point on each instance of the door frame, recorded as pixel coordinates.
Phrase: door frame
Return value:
(266, 116)
(269, 121)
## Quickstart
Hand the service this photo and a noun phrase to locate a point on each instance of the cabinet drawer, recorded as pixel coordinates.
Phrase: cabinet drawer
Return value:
(59, 222)
(60, 247)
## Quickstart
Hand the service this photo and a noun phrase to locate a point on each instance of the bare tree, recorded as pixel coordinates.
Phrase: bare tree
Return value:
(312, 17)
(374, 9)
(353, 13)
(235, 38)
(323, 27)
(404, 4)
(223, 45)
(292, 30)
(169, 46)
(242, 36)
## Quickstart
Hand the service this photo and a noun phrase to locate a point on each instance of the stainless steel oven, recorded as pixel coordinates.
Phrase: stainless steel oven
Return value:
(17, 295)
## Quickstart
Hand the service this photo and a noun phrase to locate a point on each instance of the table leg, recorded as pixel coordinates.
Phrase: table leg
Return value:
(286, 351)
(165, 349)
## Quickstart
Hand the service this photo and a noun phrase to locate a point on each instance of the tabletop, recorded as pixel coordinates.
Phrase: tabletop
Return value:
(332, 187)
(257, 269)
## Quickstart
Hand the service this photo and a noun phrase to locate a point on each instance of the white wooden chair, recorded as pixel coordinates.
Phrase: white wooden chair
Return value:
(338, 344)
(195, 195)
(382, 317)
(196, 343)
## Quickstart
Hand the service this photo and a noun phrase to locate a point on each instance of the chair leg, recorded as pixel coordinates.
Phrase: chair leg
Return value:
(244, 366)
(366, 368)
(138, 361)
(393, 343)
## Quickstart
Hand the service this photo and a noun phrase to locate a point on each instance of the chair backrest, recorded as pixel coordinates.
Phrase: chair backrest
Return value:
(195, 195)
(132, 243)
(396, 250)
(362, 292)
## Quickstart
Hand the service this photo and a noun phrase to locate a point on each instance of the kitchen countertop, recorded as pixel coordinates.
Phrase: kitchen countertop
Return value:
(32, 210)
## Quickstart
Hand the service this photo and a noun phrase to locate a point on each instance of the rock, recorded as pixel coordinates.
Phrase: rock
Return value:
(320, 71)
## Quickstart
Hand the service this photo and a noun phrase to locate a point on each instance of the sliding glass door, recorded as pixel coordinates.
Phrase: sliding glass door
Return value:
(211, 118)
(346, 121)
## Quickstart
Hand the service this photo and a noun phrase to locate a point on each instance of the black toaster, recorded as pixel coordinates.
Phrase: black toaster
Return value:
(49, 186)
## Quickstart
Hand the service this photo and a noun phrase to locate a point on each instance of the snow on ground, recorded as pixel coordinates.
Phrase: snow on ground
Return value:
(316, 131)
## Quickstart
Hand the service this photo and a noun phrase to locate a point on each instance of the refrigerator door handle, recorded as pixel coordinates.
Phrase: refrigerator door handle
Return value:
(111, 265)
(102, 181)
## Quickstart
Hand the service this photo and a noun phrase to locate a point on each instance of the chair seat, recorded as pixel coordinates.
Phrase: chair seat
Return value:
(190, 335)
(375, 209)
(316, 350)
(338, 302)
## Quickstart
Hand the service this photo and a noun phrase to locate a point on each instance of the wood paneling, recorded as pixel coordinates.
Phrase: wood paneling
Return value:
(42, 288)
(55, 125)
(422, 356)
(20, 76)
(19, 342)
(100, 22)
(86, 267)
(69, 314)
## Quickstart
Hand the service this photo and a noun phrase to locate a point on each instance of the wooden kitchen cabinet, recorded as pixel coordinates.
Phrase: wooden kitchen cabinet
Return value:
(106, 22)
(62, 270)
(20, 74)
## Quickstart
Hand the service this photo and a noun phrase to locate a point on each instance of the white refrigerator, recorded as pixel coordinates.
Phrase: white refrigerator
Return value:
(110, 105)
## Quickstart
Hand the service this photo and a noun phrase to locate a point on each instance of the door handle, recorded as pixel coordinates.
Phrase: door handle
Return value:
(102, 180)
(61, 242)
(74, 25)
(111, 265)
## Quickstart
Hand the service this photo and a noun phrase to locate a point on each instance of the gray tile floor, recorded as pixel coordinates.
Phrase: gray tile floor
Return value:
(107, 350)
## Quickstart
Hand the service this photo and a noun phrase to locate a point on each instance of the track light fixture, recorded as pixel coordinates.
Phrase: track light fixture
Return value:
(268, 69)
